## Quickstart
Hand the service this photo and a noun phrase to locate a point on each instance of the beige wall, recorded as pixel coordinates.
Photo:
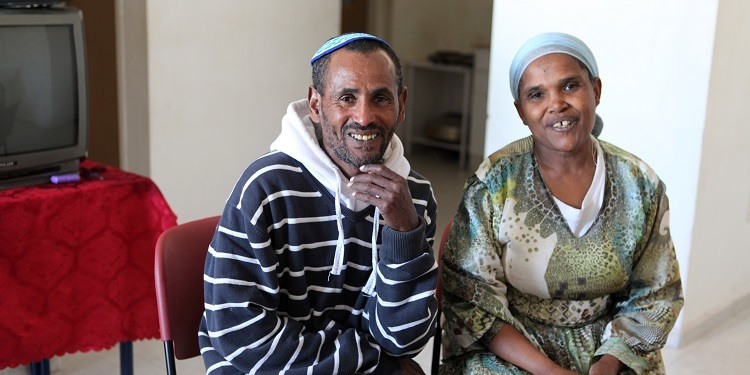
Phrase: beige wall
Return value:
(421, 27)
(719, 270)
(197, 100)
(418, 28)
(132, 77)
(220, 77)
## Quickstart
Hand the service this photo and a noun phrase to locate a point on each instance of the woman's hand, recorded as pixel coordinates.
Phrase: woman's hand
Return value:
(409, 367)
(561, 371)
(511, 345)
(606, 365)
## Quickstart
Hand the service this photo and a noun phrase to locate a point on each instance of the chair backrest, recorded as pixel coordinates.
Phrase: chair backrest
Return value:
(439, 295)
(443, 241)
(178, 270)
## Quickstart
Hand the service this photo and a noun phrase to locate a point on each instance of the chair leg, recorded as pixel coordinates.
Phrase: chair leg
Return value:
(39, 368)
(126, 358)
(436, 347)
(169, 358)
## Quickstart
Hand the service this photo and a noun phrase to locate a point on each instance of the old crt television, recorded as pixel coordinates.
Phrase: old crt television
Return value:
(43, 94)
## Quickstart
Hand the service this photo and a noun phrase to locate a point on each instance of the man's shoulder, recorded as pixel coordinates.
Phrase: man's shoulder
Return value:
(267, 175)
(272, 168)
(271, 163)
(272, 158)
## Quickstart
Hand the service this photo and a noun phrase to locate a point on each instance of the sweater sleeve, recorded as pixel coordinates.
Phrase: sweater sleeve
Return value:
(402, 313)
(243, 328)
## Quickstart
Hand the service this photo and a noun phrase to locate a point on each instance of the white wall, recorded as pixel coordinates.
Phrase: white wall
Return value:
(221, 74)
(718, 273)
(654, 59)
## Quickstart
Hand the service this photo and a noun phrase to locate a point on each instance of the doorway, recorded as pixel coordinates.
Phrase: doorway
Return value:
(101, 56)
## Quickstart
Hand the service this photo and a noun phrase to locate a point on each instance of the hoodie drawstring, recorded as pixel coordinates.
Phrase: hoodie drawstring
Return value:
(338, 256)
(369, 287)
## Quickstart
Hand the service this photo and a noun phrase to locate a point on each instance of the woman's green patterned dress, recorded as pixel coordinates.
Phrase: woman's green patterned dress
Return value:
(511, 259)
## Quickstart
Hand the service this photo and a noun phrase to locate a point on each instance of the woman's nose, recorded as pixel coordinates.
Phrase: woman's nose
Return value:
(556, 102)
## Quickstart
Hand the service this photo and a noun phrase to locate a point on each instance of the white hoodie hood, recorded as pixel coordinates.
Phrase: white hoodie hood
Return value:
(298, 140)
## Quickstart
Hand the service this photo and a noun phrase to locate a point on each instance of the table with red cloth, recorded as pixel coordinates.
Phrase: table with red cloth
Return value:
(77, 264)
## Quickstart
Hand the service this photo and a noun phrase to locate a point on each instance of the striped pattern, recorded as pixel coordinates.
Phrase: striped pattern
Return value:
(272, 305)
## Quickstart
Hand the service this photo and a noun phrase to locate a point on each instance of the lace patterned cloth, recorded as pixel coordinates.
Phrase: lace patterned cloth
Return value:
(77, 264)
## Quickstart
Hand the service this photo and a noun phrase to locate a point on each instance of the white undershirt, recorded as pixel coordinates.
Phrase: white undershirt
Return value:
(580, 220)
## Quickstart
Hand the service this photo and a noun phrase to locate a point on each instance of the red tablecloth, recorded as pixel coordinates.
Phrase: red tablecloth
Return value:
(77, 265)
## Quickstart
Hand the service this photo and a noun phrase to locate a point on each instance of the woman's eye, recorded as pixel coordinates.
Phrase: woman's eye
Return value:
(535, 95)
(571, 86)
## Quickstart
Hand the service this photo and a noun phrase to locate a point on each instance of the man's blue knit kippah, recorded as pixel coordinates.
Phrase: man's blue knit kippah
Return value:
(340, 41)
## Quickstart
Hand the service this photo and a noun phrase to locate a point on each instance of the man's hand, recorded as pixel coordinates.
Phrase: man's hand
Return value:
(383, 188)
(606, 365)
(408, 367)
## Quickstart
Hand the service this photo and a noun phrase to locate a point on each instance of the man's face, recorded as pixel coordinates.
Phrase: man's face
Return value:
(359, 109)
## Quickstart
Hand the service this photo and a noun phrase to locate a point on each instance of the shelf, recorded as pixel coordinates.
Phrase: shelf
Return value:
(439, 99)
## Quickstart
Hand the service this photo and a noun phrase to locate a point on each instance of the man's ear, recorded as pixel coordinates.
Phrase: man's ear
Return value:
(520, 112)
(313, 103)
(402, 105)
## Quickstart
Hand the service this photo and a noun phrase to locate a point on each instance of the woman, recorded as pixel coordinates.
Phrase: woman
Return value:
(560, 259)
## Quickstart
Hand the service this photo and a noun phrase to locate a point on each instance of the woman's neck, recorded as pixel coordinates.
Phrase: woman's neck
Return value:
(568, 175)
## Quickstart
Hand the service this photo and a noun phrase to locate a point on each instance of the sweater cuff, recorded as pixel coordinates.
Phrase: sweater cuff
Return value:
(399, 247)
(617, 347)
(387, 365)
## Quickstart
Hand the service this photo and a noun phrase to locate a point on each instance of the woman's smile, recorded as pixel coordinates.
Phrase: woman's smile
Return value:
(562, 123)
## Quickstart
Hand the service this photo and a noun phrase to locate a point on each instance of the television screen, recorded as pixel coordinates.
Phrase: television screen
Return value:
(43, 94)
(38, 89)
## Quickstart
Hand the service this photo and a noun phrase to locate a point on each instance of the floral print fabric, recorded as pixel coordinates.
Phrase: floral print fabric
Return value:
(511, 259)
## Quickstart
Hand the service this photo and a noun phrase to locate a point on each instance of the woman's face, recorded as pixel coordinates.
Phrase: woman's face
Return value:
(557, 101)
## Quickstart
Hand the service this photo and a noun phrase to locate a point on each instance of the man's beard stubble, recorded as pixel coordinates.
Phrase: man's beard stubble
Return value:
(338, 144)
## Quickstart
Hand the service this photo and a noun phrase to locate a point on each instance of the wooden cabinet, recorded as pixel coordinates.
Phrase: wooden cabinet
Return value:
(438, 108)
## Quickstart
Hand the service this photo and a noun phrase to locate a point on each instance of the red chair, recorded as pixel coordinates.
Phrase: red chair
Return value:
(180, 259)
(439, 294)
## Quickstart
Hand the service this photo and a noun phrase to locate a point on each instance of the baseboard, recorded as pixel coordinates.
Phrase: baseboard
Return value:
(712, 322)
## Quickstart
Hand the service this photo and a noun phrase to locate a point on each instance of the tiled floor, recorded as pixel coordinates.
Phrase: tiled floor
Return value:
(723, 351)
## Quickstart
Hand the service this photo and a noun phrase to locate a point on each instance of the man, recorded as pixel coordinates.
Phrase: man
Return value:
(322, 261)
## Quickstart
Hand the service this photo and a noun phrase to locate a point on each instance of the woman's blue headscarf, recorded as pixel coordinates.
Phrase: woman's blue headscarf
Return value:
(545, 44)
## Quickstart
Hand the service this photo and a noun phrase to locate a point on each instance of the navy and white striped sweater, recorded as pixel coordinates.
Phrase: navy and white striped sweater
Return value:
(272, 306)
